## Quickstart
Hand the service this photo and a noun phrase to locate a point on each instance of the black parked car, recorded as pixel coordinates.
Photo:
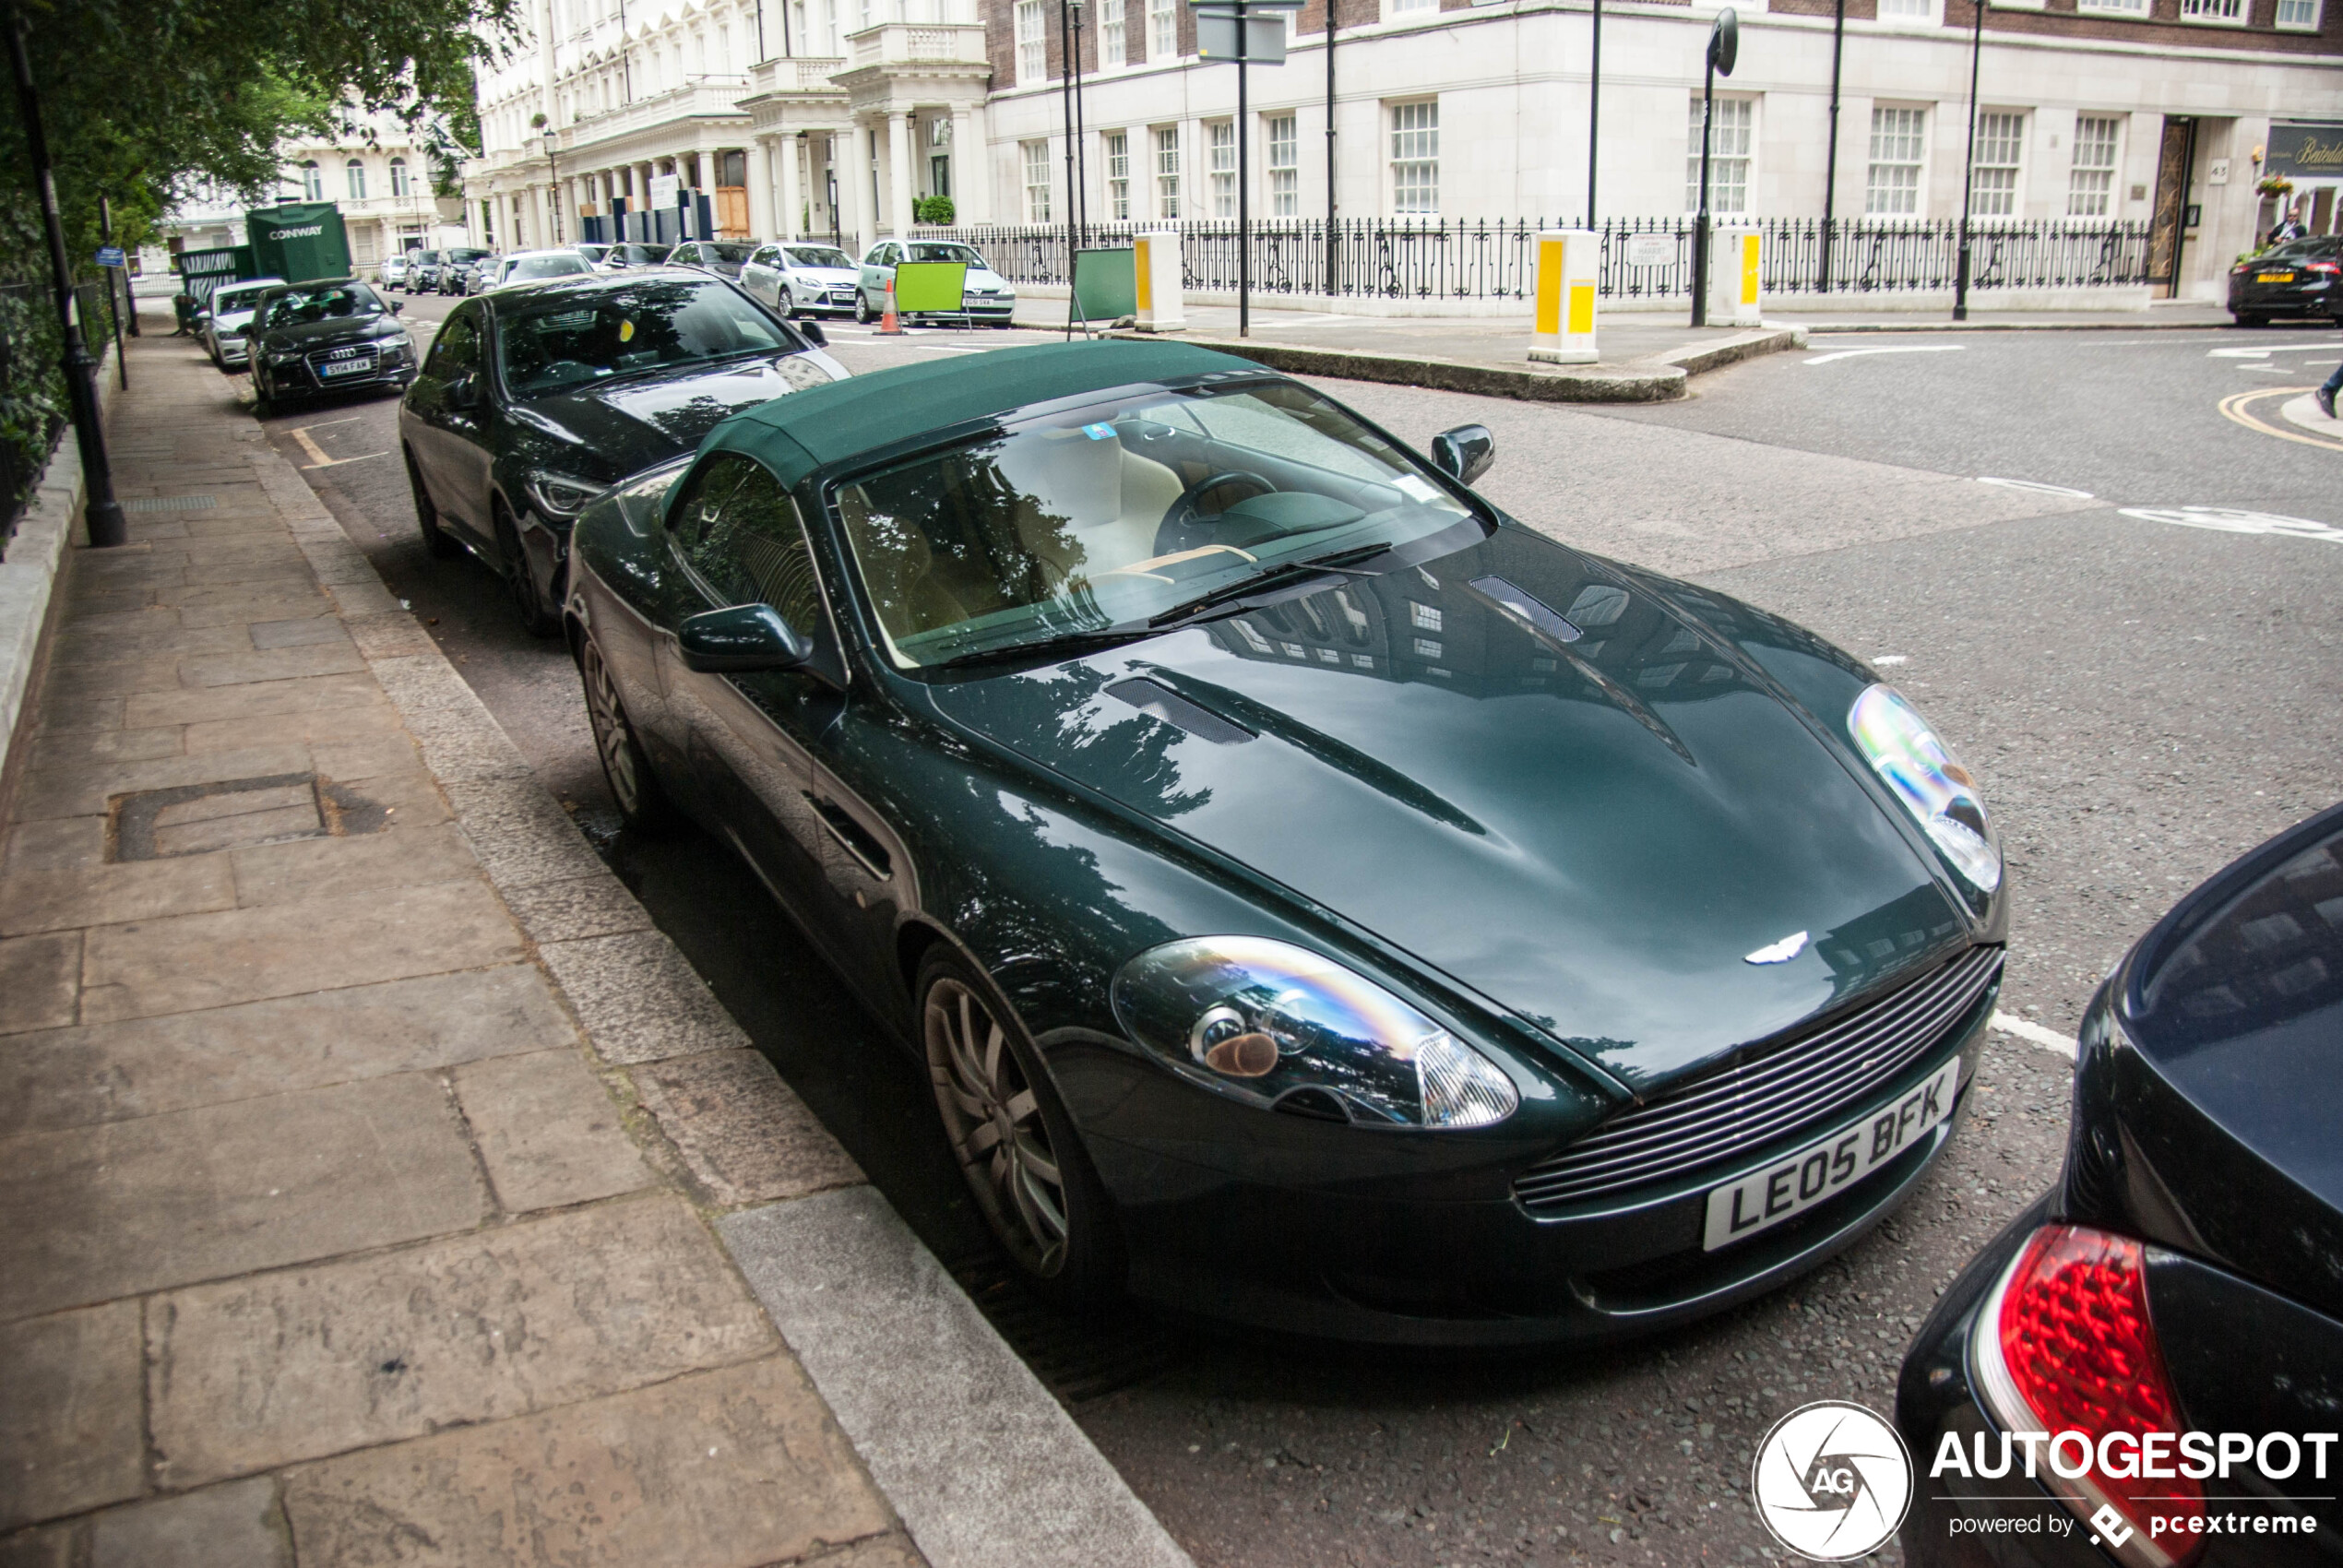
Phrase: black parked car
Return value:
(2185, 1277)
(2298, 278)
(454, 264)
(331, 334)
(532, 403)
(721, 257)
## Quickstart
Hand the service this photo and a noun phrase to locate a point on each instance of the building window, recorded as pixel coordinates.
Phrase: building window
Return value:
(2298, 15)
(2090, 187)
(1166, 171)
(1110, 33)
(400, 184)
(2229, 11)
(1221, 148)
(1163, 29)
(2001, 139)
(1731, 135)
(1415, 158)
(1898, 144)
(1907, 10)
(1407, 8)
(2113, 7)
(1118, 176)
(1285, 167)
(1037, 180)
(1033, 48)
(313, 182)
(354, 172)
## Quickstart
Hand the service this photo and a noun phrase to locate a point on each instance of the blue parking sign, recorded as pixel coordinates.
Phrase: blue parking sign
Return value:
(109, 255)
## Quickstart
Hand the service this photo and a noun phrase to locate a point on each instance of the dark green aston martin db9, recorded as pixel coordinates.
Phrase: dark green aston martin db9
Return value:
(1320, 901)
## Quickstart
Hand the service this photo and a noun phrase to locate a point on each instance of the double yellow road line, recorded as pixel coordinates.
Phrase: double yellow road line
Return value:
(2238, 408)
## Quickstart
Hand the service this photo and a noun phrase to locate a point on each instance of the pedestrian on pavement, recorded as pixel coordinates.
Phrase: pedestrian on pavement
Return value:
(2324, 396)
(2290, 227)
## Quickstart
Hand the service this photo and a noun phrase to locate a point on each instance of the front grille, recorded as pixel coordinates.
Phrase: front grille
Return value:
(1808, 1080)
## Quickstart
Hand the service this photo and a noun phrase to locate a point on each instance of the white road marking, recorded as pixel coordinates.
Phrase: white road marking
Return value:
(2264, 352)
(2034, 1034)
(947, 349)
(2227, 519)
(309, 445)
(1889, 660)
(2037, 485)
(1898, 349)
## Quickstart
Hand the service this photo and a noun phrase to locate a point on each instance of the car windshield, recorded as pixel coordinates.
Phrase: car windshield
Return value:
(1102, 519)
(734, 253)
(527, 266)
(820, 256)
(227, 300)
(941, 250)
(572, 340)
(593, 252)
(639, 255)
(300, 306)
(2316, 245)
(459, 257)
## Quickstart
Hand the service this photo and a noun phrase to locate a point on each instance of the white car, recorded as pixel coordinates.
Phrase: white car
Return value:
(394, 272)
(224, 321)
(985, 295)
(531, 267)
(796, 277)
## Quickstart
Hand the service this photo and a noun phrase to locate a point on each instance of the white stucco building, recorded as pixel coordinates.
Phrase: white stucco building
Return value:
(802, 116)
(377, 174)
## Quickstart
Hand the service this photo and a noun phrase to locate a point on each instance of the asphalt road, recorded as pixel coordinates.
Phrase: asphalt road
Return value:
(2141, 701)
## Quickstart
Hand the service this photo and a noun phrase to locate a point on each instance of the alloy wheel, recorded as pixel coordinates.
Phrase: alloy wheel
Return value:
(613, 740)
(995, 1121)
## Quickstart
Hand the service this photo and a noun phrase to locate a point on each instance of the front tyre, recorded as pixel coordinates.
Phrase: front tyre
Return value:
(1025, 1163)
(436, 540)
(520, 581)
(862, 315)
(626, 768)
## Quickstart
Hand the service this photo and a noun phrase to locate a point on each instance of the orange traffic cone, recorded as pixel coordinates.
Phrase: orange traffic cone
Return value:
(890, 325)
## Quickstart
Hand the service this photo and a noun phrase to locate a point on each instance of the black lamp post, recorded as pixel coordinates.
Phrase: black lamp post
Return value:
(1594, 113)
(1830, 158)
(1968, 166)
(107, 526)
(554, 181)
(1724, 48)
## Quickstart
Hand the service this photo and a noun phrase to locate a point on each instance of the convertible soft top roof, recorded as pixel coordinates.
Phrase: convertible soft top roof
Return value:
(821, 425)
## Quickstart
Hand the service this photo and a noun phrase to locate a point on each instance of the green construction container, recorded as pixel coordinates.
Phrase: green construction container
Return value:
(298, 241)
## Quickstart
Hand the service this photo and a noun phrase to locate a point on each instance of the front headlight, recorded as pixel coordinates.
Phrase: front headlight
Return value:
(560, 498)
(284, 356)
(1279, 1027)
(1929, 781)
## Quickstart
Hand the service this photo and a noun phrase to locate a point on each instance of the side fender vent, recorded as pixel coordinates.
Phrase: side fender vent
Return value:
(1157, 701)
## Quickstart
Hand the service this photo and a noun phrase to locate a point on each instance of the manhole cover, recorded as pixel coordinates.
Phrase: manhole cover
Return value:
(237, 813)
(170, 504)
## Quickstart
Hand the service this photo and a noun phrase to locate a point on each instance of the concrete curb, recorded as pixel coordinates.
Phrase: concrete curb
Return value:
(894, 1334)
(1643, 381)
(35, 557)
(1812, 326)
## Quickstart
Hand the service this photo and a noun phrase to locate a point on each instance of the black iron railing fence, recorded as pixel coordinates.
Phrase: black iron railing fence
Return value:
(1642, 258)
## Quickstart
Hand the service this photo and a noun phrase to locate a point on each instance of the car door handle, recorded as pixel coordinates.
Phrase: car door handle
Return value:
(852, 836)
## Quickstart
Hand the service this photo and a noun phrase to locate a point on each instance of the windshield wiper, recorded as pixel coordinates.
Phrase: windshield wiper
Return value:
(1066, 643)
(1282, 573)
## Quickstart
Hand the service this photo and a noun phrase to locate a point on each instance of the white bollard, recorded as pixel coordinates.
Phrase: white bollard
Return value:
(1157, 268)
(1569, 266)
(1736, 256)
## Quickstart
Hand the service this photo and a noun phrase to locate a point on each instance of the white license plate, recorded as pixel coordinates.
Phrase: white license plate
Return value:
(1829, 1165)
(345, 367)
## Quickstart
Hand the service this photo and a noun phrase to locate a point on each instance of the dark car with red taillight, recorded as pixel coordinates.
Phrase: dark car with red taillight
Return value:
(2301, 278)
(2146, 1368)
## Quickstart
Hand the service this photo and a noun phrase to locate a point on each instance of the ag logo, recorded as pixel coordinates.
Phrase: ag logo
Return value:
(1832, 1481)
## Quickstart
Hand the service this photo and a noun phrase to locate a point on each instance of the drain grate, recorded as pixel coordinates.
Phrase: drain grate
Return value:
(170, 503)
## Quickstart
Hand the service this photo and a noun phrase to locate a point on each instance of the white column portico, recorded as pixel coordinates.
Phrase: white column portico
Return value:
(971, 182)
(760, 188)
(902, 131)
(792, 215)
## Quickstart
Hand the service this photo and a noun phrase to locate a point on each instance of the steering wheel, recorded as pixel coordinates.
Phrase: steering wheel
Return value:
(1185, 519)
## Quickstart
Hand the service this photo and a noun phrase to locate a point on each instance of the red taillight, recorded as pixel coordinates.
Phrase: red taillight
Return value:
(2322, 267)
(2069, 1335)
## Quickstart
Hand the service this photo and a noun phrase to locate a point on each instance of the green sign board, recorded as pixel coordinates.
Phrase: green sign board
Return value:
(1106, 284)
(299, 240)
(929, 286)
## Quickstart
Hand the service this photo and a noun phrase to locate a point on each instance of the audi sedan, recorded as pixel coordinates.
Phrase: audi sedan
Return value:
(534, 399)
(306, 340)
(2147, 1366)
(1317, 899)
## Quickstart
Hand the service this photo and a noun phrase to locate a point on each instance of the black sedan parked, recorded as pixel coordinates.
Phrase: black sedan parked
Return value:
(2171, 1314)
(535, 399)
(2298, 278)
(333, 335)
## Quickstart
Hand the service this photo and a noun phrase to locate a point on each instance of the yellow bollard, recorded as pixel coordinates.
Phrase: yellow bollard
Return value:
(1157, 282)
(1569, 264)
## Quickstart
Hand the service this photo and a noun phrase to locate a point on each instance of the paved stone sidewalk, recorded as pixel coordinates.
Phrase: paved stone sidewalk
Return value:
(361, 1142)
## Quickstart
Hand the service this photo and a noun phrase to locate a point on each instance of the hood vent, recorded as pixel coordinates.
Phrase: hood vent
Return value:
(1160, 702)
(1539, 617)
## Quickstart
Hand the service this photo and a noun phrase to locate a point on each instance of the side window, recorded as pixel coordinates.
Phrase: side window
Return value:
(693, 516)
(455, 350)
(755, 553)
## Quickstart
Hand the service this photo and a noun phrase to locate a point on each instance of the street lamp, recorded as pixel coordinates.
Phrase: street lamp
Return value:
(554, 181)
(1969, 165)
(1724, 48)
